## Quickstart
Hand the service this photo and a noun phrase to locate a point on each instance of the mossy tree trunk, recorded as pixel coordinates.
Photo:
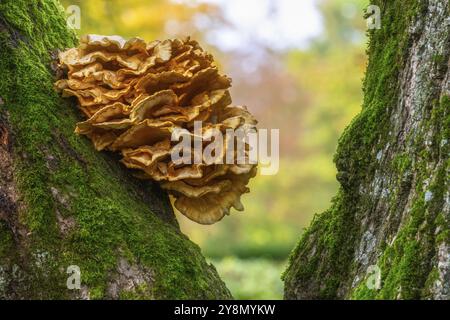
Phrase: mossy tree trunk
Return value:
(391, 216)
(62, 203)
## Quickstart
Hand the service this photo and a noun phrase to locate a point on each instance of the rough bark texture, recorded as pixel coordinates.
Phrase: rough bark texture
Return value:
(62, 203)
(393, 206)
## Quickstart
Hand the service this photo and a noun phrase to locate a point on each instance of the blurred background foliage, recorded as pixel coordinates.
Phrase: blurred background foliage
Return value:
(298, 66)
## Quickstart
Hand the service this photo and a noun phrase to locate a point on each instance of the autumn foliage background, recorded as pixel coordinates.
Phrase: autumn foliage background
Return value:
(301, 77)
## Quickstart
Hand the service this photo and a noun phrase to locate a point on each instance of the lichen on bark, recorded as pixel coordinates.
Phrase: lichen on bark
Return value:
(392, 209)
(68, 204)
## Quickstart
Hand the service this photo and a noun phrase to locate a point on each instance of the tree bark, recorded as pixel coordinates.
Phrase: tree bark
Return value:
(64, 204)
(391, 217)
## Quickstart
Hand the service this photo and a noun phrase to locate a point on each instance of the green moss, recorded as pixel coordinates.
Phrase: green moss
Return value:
(405, 265)
(439, 59)
(325, 253)
(362, 292)
(141, 291)
(443, 226)
(433, 276)
(330, 232)
(402, 163)
(112, 212)
(401, 263)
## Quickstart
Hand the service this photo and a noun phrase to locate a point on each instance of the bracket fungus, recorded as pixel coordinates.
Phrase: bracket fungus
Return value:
(134, 95)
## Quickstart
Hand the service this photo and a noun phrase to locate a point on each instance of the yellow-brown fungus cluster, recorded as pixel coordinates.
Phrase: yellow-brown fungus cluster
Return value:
(136, 94)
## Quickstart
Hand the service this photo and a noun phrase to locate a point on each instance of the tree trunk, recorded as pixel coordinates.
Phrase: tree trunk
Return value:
(391, 217)
(64, 204)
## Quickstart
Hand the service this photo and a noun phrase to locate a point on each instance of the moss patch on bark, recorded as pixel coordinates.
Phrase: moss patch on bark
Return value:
(81, 207)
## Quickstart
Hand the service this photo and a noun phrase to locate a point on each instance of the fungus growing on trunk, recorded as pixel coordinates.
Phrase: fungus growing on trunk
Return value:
(135, 95)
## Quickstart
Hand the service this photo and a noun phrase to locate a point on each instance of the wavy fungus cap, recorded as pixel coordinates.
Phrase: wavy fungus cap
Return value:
(135, 94)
